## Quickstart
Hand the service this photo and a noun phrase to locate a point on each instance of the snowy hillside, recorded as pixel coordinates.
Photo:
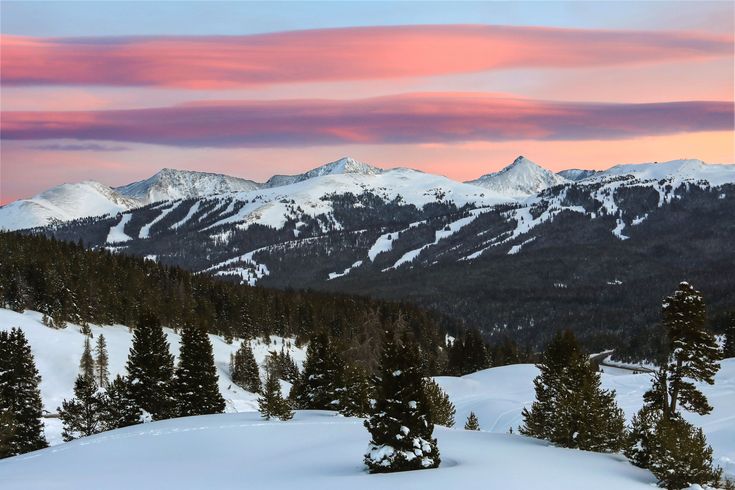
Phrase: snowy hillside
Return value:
(676, 171)
(345, 165)
(315, 450)
(171, 184)
(521, 178)
(498, 395)
(57, 354)
(62, 203)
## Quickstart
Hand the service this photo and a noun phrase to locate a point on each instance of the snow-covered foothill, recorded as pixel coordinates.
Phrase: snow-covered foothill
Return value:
(57, 353)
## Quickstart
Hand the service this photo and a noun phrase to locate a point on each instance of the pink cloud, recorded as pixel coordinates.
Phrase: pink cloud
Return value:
(408, 118)
(336, 55)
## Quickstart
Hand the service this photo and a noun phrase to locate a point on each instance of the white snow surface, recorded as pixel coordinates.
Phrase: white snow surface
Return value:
(117, 232)
(521, 178)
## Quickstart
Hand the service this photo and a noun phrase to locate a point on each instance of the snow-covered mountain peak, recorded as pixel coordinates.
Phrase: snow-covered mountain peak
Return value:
(521, 178)
(170, 183)
(345, 165)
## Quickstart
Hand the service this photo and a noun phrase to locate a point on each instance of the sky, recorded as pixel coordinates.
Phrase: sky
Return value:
(114, 91)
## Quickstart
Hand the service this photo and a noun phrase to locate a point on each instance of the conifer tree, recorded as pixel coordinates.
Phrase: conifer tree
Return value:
(195, 385)
(119, 408)
(400, 425)
(271, 403)
(150, 369)
(472, 422)
(729, 346)
(321, 383)
(244, 369)
(441, 409)
(681, 457)
(21, 428)
(7, 434)
(693, 351)
(660, 439)
(571, 409)
(355, 400)
(101, 363)
(86, 363)
(81, 415)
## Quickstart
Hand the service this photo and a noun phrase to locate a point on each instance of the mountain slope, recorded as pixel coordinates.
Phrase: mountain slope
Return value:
(345, 165)
(521, 178)
(171, 184)
(63, 203)
(576, 174)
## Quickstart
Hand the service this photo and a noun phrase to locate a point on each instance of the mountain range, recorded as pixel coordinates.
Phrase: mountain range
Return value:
(67, 202)
(502, 252)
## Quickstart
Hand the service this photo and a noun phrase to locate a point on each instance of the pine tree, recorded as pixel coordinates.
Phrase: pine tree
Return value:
(81, 415)
(693, 351)
(271, 403)
(441, 409)
(7, 434)
(321, 383)
(101, 363)
(472, 422)
(119, 408)
(729, 347)
(195, 385)
(21, 427)
(660, 439)
(86, 363)
(355, 400)
(150, 369)
(681, 457)
(244, 369)
(571, 409)
(399, 424)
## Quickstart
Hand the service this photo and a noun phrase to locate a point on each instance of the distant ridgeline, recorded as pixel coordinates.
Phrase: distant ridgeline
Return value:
(69, 283)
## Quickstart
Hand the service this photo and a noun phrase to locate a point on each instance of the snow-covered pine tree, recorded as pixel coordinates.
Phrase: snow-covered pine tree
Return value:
(693, 351)
(21, 427)
(441, 409)
(472, 422)
(572, 410)
(399, 423)
(150, 368)
(728, 349)
(658, 430)
(271, 403)
(119, 408)
(101, 363)
(244, 369)
(86, 363)
(321, 383)
(355, 400)
(195, 384)
(680, 456)
(81, 416)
